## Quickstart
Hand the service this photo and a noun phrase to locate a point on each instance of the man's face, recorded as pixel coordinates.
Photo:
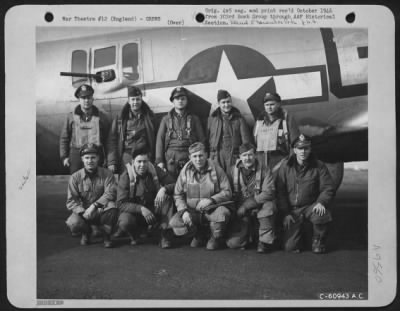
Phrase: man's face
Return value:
(271, 106)
(248, 158)
(199, 159)
(86, 102)
(90, 161)
(135, 102)
(141, 164)
(225, 104)
(180, 102)
(302, 153)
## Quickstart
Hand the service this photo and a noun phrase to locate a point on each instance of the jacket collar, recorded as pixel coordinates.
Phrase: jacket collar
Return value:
(208, 167)
(280, 114)
(234, 112)
(311, 161)
(173, 113)
(151, 171)
(78, 111)
(146, 111)
(239, 164)
(84, 173)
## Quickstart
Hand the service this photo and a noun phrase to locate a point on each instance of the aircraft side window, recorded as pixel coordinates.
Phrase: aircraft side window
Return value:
(130, 61)
(104, 57)
(79, 65)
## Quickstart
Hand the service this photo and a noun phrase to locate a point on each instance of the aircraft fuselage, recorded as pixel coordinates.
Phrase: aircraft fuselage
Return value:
(321, 75)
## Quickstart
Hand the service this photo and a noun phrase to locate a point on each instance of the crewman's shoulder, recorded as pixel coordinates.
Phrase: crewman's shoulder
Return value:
(320, 164)
(77, 176)
(105, 172)
(218, 169)
(165, 118)
(286, 162)
(194, 118)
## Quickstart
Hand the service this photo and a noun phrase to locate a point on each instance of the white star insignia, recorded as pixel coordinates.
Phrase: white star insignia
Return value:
(240, 89)
(302, 85)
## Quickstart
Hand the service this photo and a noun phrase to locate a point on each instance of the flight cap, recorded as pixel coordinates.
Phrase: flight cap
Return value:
(246, 147)
(222, 94)
(179, 228)
(134, 91)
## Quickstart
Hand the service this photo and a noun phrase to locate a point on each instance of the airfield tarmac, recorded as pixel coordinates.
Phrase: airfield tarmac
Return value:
(66, 270)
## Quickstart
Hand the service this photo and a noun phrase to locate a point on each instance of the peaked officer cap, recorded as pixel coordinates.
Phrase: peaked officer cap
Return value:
(178, 91)
(134, 91)
(222, 94)
(302, 141)
(84, 90)
(89, 148)
(272, 96)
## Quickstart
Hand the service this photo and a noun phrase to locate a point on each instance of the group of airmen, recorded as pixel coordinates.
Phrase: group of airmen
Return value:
(223, 187)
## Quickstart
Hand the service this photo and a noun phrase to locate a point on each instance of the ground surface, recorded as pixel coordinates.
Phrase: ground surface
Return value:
(66, 270)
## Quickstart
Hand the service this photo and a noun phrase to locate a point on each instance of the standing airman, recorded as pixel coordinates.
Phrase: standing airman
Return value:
(226, 131)
(86, 124)
(178, 130)
(132, 130)
(274, 132)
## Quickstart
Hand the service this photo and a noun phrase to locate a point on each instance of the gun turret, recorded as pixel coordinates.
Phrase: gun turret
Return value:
(101, 76)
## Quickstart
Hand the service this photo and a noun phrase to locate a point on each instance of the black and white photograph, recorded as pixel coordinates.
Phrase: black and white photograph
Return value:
(202, 156)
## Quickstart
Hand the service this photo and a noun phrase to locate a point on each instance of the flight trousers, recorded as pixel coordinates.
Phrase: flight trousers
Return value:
(293, 236)
(245, 228)
(105, 220)
(217, 221)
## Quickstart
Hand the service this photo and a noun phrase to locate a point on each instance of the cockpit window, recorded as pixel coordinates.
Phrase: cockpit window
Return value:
(79, 65)
(104, 57)
(130, 61)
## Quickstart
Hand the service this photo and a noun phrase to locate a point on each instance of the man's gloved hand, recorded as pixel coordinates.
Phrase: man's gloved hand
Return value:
(181, 164)
(287, 221)
(112, 168)
(90, 212)
(162, 166)
(319, 209)
(203, 203)
(187, 220)
(160, 199)
(148, 215)
(241, 211)
(249, 203)
(66, 162)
